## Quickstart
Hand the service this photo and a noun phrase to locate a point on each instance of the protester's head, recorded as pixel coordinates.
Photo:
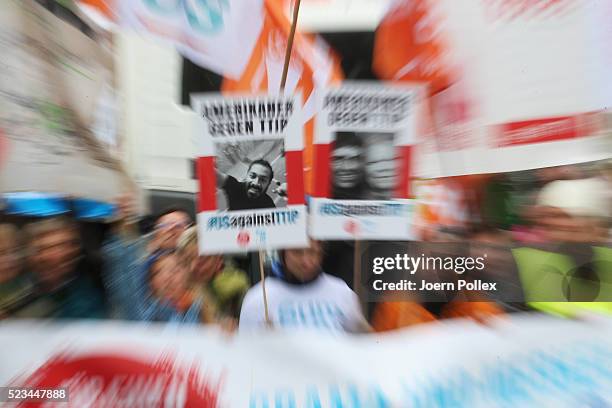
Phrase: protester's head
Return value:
(258, 178)
(573, 211)
(168, 277)
(202, 268)
(380, 170)
(347, 161)
(169, 226)
(10, 247)
(303, 264)
(53, 249)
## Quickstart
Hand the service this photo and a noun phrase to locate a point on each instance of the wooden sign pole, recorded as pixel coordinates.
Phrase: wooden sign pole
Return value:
(296, 10)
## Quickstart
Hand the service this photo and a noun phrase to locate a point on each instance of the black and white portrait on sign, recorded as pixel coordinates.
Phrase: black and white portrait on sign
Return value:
(363, 166)
(251, 175)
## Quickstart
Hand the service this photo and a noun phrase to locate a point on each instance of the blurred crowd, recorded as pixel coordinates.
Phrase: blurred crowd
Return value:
(46, 271)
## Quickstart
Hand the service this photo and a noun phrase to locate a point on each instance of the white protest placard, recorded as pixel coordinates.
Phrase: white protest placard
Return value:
(250, 170)
(364, 139)
(529, 361)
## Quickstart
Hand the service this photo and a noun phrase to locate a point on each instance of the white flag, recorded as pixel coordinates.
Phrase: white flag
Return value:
(216, 34)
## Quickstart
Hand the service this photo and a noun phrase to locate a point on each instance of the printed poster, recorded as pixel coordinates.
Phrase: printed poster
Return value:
(364, 140)
(250, 170)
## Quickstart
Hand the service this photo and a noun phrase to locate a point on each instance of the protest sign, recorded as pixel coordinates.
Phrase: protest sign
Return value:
(364, 137)
(529, 361)
(524, 84)
(52, 90)
(250, 172)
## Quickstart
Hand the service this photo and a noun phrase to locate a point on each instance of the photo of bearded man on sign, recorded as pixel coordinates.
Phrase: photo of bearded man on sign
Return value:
(245, 182)
(363, 166)
(380, 165)
(251, 193)
(347, 167)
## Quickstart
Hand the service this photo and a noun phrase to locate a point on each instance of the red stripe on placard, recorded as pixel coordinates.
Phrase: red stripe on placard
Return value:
(295, 176)
(402, 189)
(322, 157)
(207, 180)
(540, 131)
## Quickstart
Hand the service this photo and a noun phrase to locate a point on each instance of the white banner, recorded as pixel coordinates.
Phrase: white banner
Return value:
(218, 35)
(532, 86)
(530, 361)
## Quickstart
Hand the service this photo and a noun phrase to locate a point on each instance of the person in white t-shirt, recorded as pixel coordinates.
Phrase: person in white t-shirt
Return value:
(301, 295)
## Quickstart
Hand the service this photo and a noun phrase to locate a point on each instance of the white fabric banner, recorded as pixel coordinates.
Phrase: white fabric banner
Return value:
(218, 35)
(532, 86)
(528, 361)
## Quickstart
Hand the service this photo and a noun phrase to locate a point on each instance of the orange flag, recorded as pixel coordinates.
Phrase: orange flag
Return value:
(312, 65)
(407, 46)
(106, 7)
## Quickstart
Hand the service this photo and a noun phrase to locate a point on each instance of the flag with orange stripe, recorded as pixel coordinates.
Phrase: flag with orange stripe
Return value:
(312, 65)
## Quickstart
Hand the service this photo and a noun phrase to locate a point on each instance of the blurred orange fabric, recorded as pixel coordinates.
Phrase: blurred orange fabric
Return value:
(396, 315)
(478, 311)
(408, 48)
(105, 6)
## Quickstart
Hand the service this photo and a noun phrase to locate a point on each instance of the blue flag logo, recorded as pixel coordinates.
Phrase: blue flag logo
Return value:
(203, 16)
